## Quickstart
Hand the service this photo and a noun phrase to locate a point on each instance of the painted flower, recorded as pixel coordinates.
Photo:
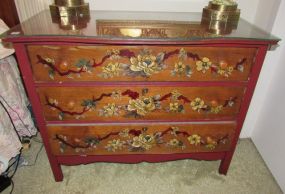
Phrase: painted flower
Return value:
(144, 141)
(211, 143)
(173, 107)
(203, 65)
(53, 101)
(137, 143)
(146, 138)
(49, 60)
(194, 139)
(182, 54)
(109, 110)
(112, 69)
(114, 145)
(231, 103)
(124, 133)
(174, 130)
(144, 63)
(179, 68)
(240, 68)
(175, 95)
(216, 109)
(174, 142)
(117, 94)
(226, 72)
(197, 104)
(141, 107)
(114, 54)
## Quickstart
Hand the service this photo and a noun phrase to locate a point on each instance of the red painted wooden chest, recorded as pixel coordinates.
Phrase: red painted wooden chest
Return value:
(133, 87)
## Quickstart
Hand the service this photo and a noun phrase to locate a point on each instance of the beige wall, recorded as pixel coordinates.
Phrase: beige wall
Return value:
(269, 129)
(28, 8)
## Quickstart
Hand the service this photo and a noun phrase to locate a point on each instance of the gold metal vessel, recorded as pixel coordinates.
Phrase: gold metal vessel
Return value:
(69, 3)
(71, 23)
(220, 19)
(69, 8)
(229, 16)
(222, 7)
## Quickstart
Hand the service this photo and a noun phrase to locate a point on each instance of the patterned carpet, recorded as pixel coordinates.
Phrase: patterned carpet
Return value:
(247, 175)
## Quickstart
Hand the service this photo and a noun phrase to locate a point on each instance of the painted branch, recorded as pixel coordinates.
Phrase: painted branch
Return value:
(54, 68)
(171, 53)
(127, 53)
(64, 111)
(240, 63)
(166, 96)
(101, 97)
(193, 56)
(57, 137)
(133, 95)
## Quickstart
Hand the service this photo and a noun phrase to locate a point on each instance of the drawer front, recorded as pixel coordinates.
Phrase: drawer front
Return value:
(140, 139)
(112, 104)
(140, 63)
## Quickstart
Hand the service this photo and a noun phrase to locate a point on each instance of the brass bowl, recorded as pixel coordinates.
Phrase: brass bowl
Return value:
(68, 3)
(71, 23)
(218, 27)
(62, 11)
(230, 16)
(222, 7)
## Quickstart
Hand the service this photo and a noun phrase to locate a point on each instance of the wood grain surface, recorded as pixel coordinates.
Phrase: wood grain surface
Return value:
(55, 63)
(141, 139)
(128, 104)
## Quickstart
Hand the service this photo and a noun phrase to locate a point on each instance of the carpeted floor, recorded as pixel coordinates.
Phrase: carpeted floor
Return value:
(247, 174)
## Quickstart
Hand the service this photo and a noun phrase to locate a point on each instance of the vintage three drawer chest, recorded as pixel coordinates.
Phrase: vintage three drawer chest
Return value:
(130, 87)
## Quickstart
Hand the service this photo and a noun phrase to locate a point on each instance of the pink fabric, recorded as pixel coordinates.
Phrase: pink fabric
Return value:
(12, 95)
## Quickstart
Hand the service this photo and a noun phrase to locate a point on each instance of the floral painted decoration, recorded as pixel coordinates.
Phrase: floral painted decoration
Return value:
(141, 106)
(141, 140)
(145, 64)
(203, 65)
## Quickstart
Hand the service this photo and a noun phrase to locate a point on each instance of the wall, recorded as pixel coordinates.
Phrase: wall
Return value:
(248, 7)
(264, 19)
(269, 134)
(28, 8)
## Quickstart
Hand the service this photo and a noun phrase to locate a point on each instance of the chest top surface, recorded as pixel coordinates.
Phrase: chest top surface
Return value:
(134, 26)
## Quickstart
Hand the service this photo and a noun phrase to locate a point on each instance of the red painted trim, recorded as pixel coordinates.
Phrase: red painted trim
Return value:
(140, 121)
(137, 158)
(36, 106)
(143, 84)
(209, 42)
(244, 106)
(218, 44)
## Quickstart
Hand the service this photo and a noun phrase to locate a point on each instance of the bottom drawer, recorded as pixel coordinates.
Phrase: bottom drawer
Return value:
(141, 139)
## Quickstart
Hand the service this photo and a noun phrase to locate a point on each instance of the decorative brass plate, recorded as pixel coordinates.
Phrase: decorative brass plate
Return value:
(150, 29)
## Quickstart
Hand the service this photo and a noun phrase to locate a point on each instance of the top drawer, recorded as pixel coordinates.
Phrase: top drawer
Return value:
(140, 63)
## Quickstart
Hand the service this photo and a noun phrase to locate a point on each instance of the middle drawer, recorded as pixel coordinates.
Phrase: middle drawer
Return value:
(123, 104)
